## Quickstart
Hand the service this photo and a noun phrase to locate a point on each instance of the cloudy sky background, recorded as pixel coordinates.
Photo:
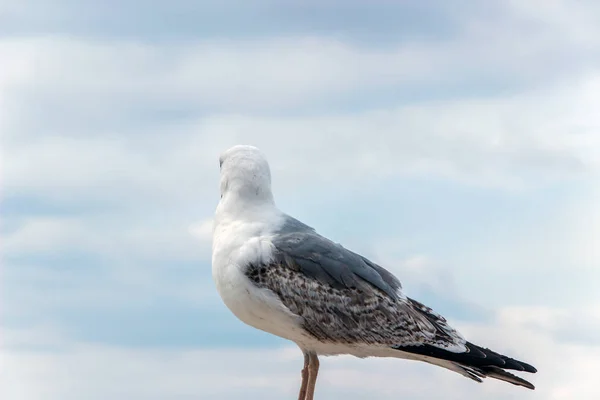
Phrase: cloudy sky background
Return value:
(457, 144)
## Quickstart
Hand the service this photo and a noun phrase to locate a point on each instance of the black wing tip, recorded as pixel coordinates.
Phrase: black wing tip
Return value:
(529, 368)
(475, 356)
(505, 362)
(499, 373)
(480, 360)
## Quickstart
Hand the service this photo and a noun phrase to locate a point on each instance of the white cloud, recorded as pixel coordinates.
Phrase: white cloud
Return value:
(82, 123)
(44, 235)
(202, 230)
(70, 104)
(55, 264)
(221, 73)
(97, 371)
(529, 139)
(143, 240)
(582, 222)
(516, 39)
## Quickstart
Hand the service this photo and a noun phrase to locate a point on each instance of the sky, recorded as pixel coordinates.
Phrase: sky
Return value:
(457, 144)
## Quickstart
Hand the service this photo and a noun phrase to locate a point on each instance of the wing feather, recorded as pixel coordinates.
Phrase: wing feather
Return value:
(342, 297)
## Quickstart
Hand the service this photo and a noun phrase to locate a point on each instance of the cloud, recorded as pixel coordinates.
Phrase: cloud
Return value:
(571, 326)
(65, 266)
(99, 108)
(100, 371)
(93, 235)
(532, 139)
(456, 146)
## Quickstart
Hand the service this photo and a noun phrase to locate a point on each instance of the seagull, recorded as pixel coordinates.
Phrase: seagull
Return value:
(279, 275)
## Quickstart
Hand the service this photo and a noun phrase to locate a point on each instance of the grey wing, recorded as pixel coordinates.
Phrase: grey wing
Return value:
(343, 297)
(332, 264)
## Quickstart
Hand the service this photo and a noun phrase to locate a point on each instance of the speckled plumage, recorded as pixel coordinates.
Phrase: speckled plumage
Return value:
(362, 314)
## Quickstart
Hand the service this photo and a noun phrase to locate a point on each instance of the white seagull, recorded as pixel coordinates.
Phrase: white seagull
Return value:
(280, 276)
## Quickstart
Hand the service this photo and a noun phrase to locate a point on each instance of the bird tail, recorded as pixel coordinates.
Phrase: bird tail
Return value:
(476, 363)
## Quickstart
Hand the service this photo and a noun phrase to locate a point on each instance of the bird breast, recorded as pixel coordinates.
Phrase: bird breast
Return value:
(234, 248)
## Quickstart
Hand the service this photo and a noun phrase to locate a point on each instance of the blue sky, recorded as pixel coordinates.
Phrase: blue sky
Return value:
(458, 146)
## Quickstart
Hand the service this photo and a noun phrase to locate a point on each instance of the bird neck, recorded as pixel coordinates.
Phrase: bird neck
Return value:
(241, 205)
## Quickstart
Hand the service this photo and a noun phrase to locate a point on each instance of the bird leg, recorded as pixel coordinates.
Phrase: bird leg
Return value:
(302, 393)
(313, 370)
